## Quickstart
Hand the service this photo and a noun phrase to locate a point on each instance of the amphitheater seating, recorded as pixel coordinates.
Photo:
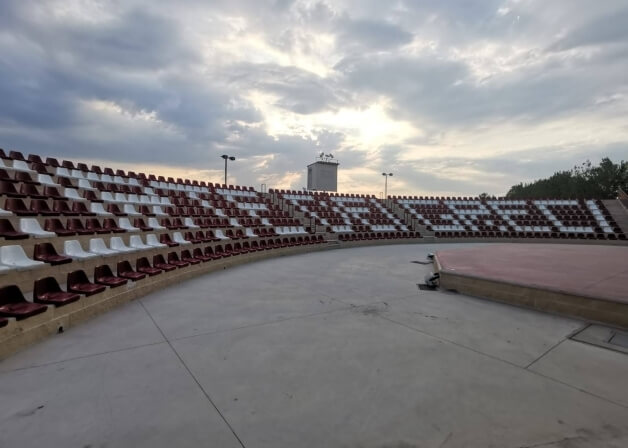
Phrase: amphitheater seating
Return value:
(77, 218)
(352, 217)
(505, 218)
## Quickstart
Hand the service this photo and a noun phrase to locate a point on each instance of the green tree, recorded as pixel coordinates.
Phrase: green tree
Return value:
(582, 181)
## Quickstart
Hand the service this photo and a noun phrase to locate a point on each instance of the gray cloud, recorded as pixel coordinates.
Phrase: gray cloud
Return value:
(181, 103)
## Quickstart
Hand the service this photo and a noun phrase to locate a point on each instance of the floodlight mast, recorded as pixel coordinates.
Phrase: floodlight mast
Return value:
(227, 157)
(386, 176)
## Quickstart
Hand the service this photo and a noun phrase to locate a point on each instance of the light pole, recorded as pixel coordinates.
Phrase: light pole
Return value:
(226, 157)
(386, 176)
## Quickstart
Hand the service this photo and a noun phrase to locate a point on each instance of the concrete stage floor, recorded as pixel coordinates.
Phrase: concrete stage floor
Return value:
(329, 349)
(600, 272)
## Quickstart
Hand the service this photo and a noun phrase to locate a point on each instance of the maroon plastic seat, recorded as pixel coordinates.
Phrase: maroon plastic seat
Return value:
(68, 164)
(91, 196)
(7, 188)
(55, 225)
(48, 292)
(188, 258)
(34, 158)
(39, 167)
(23, 176)
(80, 284)
(94, 225)
(46, 252)
(160, 263)
(76, 225)
(143, 265)
(65, 182)
(111, 225)
(164, 238)
(104, 276)
(173, 259)
(194, 239)
(13, 304)
(113, 208)
(16, 155)
(18, 207)
(168, 225)
(199, 255)
(140, 224)
(52, 162)
(81, 209)
(52, 192)
(31, 191)
(63, 208)
(41, 207)
(8, 231)
(4, 176)
(125, 270)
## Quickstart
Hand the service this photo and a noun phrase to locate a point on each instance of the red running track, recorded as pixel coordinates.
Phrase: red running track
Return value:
(599, 272)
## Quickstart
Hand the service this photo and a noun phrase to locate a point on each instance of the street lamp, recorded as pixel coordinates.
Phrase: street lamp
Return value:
(226, 157)
(386, 175)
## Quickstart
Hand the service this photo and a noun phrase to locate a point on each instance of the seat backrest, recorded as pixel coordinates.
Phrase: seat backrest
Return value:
(44, 249)
(12, 254)
(45, 285)
(102, 271)
(77, 277)
(142, 262)
(11, 294)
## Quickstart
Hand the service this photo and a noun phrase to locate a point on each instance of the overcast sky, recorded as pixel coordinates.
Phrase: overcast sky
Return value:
(453, 97)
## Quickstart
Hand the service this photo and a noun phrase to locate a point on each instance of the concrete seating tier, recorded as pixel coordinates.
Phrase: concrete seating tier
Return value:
(506, 218)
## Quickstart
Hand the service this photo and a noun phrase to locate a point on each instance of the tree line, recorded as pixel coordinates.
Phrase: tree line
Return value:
(582, 181)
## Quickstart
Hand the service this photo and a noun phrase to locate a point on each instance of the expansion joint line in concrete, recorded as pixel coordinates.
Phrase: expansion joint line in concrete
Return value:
(224, 419)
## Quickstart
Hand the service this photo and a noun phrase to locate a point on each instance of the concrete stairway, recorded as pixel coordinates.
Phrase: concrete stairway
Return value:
(619, 213)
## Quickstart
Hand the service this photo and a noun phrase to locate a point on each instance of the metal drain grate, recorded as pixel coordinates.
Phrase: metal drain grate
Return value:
(607, 337)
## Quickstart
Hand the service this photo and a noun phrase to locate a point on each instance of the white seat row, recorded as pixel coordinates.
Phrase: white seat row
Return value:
(383, 228)
(97, 246)
(178, 187)
(289, 230)
(340, 229)
(252, 206)
(227, 192)
(134, 199)
(346, 199)
(298, 197)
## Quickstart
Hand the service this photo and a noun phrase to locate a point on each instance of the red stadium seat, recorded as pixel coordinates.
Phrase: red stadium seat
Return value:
(46, 252)
(173, 259)
(104, 276)
(143, 265)
(8, 232)
(13, 304)
(126, 270)
(80, 284)
(48, 292)
(160, 263)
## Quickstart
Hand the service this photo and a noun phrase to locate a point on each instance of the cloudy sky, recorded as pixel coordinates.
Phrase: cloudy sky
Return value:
(453, 97)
